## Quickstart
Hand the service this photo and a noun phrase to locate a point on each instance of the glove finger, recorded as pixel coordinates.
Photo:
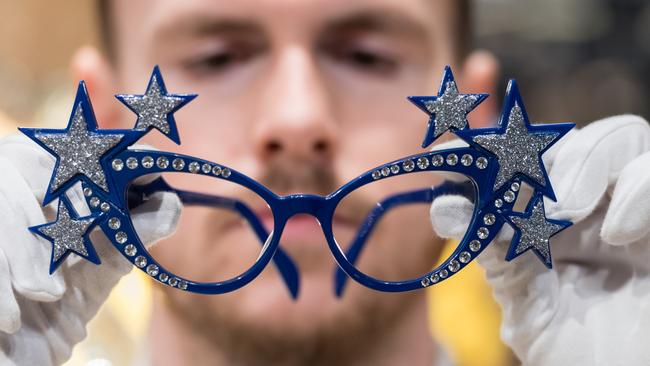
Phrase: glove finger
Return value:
(9, 310)
(450, 215)
(31, 161)
(157, 218)
(28, 255)
(628, 216)
(592, 159)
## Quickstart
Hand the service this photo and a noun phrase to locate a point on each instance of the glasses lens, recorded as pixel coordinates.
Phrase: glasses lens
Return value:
(218, 236)
(384, 227)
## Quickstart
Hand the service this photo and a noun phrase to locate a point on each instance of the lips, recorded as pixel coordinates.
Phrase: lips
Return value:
(305, 229)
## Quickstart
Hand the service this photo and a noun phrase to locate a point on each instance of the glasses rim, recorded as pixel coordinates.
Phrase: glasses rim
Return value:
(137, 163)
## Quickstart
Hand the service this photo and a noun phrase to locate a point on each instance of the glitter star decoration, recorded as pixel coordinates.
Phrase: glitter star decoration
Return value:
(68, 234)
(79, 147)
(155, 107)
(533, 231)
(448, 110)
(517, 144)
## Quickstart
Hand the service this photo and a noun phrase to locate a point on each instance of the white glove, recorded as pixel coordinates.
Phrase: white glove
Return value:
(43, 316)
(593, 307)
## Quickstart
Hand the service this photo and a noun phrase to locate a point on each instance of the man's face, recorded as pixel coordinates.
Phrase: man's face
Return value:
(302, 96)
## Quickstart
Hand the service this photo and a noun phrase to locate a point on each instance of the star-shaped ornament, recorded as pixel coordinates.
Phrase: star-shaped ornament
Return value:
(68, 234)
(448, 110)
(80, 147)
(533, 231)
(155, 107)
(517, 144)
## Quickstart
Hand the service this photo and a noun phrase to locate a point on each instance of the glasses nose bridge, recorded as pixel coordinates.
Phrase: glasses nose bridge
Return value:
(309, 204)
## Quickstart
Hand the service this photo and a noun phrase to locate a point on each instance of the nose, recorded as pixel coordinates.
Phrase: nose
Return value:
(295, 122)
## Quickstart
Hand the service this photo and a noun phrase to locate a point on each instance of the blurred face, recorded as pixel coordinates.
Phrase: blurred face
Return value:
(302, 96)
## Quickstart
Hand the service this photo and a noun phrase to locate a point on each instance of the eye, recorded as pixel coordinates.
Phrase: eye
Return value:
(362, 58)
(222, 59)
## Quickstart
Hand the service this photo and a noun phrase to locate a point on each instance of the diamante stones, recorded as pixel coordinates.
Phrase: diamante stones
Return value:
(423, 162)
(435, 278)
(94, 202)
(105, 207)
(467, 160)
(474, 245)
(117, 164)
(152, 270)
(464, 257)
(489, 219)
(385, 171)
(194, 167)
(140, 261)
(481, 163)
(376, 174)
(121, 237)
(443, 273)
(425, 282)
(225, 172)
(216, 170)
(482, 232)
(454, 266)
(131, 163)
(162, 162)
(498, 203)
(182, 285)
(509, 196)
(515, 186)
(452, 159)
(408, 166)
(205, 168)
(88, 192)
(163, 277)
(147, 162)
(178, 164)
(114, 223)
(173, 281)
(394, 169)
(130, 250)
(437, 160)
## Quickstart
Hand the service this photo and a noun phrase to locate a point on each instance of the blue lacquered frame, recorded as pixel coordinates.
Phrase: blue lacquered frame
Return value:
(124, 165)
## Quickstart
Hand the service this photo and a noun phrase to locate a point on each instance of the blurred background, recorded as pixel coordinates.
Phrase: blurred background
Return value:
(575, 60)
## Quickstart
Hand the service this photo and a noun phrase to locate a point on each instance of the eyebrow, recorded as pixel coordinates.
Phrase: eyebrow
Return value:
(386, 21)
(206, 25)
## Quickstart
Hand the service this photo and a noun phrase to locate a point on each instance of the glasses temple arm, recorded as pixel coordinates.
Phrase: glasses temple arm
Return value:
(426, 195)
(282, 261)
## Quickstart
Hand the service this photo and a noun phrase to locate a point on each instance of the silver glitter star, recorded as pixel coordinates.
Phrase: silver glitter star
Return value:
(79, 151)
(535, 231)
(66, 234)
(518, 150)
(450, 109)
(154, 107)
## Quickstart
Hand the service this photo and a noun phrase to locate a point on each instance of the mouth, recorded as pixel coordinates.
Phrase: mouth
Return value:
(304, 230)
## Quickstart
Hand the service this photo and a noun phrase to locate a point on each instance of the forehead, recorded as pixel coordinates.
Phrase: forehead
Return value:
(145, 19)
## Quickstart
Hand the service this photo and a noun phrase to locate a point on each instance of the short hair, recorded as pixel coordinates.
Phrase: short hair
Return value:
(461, 27)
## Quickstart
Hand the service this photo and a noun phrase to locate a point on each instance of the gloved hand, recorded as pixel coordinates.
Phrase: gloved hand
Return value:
(593, 307)
(43, 316)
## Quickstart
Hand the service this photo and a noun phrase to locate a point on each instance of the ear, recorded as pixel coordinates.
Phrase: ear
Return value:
(90, 65)
(479, 75)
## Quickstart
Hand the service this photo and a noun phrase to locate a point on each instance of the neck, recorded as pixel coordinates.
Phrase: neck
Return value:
(174, 342)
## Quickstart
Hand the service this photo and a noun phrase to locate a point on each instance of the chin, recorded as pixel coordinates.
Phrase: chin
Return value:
(267, 303)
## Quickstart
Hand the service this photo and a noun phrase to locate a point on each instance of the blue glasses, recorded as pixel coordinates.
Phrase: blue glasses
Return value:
(494, 165)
